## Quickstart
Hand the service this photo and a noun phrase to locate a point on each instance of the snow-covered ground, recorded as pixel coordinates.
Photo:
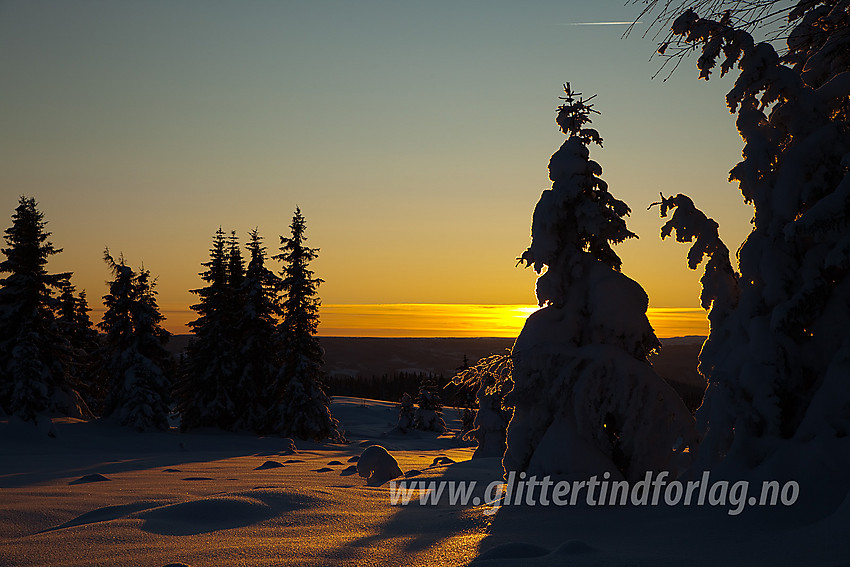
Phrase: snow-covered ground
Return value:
(99, 494)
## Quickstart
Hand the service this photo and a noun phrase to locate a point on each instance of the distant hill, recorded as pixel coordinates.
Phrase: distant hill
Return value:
(364, 356)
(378, 356)
(359, 356)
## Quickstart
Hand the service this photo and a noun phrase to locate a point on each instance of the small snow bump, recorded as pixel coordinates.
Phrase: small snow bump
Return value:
(513, 551)
(269, 465)
(97, 477)
(573, 547)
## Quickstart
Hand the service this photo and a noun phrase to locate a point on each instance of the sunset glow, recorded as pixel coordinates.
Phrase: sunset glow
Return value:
(444, 320)
(465, 320)
(146, 127)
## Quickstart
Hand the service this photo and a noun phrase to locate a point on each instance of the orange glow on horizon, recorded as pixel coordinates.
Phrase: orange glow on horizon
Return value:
(423, 320)
(445, 320)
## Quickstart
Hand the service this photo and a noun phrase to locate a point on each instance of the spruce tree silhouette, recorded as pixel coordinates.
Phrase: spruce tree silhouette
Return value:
(139, 368)
(206, 391)
(259, 344)
(587, 347)
(304, 408)
(34, 354)
(77, 328)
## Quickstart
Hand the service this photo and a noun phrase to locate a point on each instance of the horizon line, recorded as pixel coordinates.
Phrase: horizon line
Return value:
(449, 320)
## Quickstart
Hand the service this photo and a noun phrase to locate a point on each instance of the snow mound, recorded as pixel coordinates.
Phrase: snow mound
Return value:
(573, 547)
(97, 477)
(269, 465)
(107, 513)
(513, 551)
(377, 466)
(205, 516)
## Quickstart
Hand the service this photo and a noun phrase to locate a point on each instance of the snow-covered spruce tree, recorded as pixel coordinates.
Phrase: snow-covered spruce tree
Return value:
(137, 365)
(429, 407)
(778, 355)
(405, 413)
(585, 398)
(490, 378)
(303, 407)
(205, 393)
(256, 326)
(34, 354)
(76, 326)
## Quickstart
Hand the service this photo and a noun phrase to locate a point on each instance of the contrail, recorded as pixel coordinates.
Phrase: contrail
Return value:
(599, 23)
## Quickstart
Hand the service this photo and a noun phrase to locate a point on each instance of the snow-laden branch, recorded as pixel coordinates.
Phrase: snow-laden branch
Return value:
(720, 280)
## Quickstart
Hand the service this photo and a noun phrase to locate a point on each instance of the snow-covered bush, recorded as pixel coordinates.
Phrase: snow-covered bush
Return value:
(406, 413)
(288, 445)
(490, 379)
(585, 397)
(377, 466)
(429, 408)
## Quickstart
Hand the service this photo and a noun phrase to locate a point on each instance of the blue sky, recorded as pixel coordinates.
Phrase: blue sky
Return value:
(413, 135)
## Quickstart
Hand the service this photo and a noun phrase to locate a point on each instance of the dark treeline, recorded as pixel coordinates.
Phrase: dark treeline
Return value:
(253, 364)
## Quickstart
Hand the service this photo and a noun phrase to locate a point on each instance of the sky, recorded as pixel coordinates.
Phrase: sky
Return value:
(414, 136)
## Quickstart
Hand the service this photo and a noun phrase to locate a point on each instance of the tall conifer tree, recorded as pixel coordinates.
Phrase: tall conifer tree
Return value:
(138, 367)
(76, 326)
(304, 410)
(258, 347)
(205, 392)
(34, 355)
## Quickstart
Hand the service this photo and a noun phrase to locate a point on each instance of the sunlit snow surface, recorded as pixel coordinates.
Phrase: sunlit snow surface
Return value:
(98, 494)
